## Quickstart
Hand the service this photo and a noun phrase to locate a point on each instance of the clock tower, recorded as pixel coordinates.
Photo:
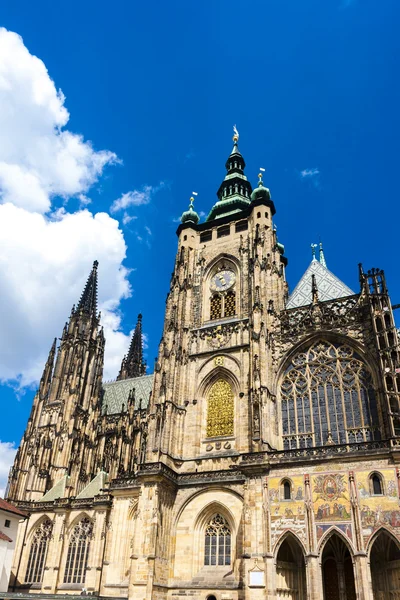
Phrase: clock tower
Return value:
(213, 394)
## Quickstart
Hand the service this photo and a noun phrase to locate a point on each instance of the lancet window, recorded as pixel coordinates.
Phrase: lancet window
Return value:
(38, 552)
(217, 547)
(78, 552)
(327, 397)
(220, 409)
(223, 305)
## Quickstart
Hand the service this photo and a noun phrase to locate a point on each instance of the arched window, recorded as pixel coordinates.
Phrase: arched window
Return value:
(220, 409)
(327, 397)
(230, 304)
(78, 552)
(287, 490)
(215, 307)
(217, 548)
(38, 552)
(376, 485)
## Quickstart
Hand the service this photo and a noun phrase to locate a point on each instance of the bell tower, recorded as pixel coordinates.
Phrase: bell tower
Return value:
(213, 393)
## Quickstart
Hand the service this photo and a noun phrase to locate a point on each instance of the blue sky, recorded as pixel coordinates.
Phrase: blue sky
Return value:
(313, 88)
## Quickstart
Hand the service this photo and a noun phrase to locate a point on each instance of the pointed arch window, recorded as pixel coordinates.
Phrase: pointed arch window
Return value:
(220, 409)
(327, 397)
(78, 552)
(287, 490)
(376, 485)
(217, 547)
(38, 552)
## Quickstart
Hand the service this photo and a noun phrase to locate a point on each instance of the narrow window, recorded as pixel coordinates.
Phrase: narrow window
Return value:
(206, 236)
(78, 552)
(286, 490)
(241, 226)
(258, 215)
(376, 485)
(217, 547)
(7, 523)
(230, 304)
(220, 410)
(223, 231)
(215, 307)
(38, 552)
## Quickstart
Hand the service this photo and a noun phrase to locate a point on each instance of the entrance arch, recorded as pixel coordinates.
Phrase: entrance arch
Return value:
(337, 570)
(290, 571)
(385, 566)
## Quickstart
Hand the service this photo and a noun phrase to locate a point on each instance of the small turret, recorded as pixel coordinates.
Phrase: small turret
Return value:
(88, 301)
(190, 216)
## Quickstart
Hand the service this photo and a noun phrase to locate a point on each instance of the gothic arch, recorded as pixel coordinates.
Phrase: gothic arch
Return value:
(288, 534)
(326, 537)
(218, 373)
(36, 525)
(189, 528)
(229, 258)
(376, 534)
(325, 336)
(77, 519)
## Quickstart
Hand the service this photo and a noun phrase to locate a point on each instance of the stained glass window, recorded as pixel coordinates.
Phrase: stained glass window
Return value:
(38, 552)
(78, 552)
(217, 548)
(327, 397)
(220, 409)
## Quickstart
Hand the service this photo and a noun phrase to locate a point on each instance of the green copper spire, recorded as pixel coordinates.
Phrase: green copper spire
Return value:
(190, 216)
(322, 256)
(234, 192)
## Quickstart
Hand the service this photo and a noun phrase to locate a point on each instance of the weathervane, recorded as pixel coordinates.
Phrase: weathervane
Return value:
(262, 170)
(313, 249)
(235, 134)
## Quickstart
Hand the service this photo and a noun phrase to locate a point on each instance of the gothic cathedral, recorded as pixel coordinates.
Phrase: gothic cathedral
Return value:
(260, 460)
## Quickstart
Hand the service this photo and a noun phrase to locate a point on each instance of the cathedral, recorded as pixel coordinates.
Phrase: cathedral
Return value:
(260, 459)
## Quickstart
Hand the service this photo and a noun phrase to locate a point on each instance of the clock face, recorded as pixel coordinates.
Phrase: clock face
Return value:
(222, 281)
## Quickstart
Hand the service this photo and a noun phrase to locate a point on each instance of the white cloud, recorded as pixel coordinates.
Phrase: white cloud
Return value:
(309, 173)
(128, 218)
(148, 230)
(136, 197)
(38, 158)
(43, 268)
(7, 454)
(46, 256)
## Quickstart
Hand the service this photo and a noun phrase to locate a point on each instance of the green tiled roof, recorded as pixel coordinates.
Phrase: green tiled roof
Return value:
(94, 487)
(116, 393)
(57, 491)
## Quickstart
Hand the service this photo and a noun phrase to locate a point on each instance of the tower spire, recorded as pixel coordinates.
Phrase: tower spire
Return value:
(235, 191)
(132, 364)
(88, 300)
(322, 256)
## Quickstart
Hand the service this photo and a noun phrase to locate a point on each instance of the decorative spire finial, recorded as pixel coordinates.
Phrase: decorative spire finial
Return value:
(235, 135)
(322, 256)
(260, 176)
(88, 300)
(314, 289)
(313, 250)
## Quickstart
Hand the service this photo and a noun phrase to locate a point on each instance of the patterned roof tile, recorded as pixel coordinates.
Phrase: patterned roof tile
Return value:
(116, 393)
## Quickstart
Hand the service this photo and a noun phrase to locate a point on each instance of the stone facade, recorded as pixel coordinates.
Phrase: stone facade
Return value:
(260, 459)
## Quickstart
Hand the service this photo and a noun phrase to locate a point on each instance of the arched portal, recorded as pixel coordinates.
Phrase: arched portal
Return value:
(337, 571)
(385, 567)
(290, 571)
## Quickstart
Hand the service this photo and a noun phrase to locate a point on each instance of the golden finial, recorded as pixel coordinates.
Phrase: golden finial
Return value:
(235, 135)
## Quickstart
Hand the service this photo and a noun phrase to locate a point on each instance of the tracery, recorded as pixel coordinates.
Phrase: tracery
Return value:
(327, 397)
(38, 552)
(217, 548)
(78, 552)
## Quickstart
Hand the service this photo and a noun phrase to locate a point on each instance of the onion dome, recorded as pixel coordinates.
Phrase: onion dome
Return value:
(260, 192)
(190, 216)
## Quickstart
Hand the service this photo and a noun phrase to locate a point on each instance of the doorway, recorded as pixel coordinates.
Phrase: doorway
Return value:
(385, 567)
(337, 570)
(290, 571)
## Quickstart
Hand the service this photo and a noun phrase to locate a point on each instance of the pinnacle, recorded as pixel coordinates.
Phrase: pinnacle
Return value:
(88, 300)
(133, 364)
